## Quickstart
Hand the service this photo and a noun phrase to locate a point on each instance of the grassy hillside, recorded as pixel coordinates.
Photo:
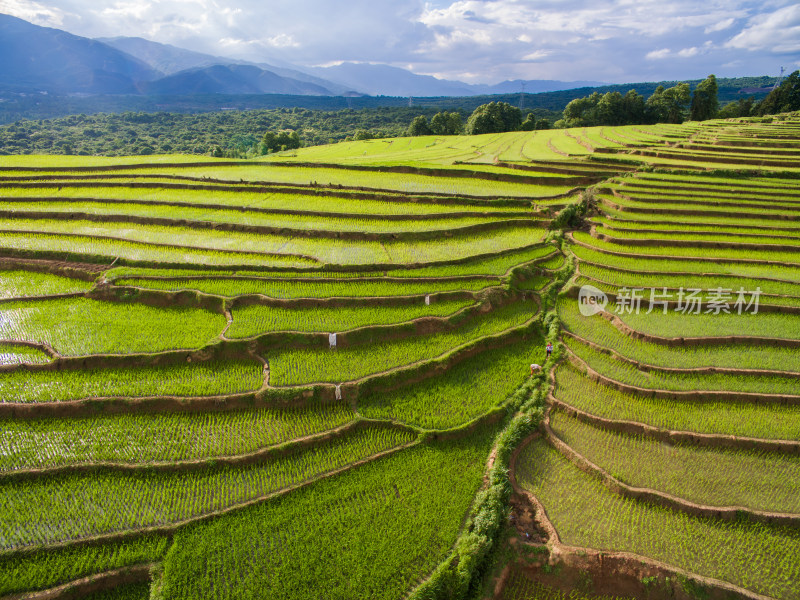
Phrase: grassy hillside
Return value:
(259, 379)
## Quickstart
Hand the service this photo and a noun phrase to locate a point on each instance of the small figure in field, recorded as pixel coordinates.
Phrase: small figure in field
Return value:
(549, 349)
(535, 368)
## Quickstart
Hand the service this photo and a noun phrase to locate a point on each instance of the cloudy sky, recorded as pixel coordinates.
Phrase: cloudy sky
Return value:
(479, 41)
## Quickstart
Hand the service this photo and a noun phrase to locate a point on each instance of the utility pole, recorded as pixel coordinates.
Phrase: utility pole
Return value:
(522, 96)
(777, 83)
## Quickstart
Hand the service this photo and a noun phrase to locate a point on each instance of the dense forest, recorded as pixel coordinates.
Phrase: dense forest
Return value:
(236, 131)
(233, 132)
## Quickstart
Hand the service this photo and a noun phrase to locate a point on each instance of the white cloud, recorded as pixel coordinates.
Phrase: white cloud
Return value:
(537, 55)
(658, 54)
(33, 12)
(777, 32)
(281, 41)
(721, 26)
(477, 40)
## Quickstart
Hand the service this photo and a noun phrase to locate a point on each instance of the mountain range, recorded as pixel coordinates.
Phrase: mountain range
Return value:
(43, 59)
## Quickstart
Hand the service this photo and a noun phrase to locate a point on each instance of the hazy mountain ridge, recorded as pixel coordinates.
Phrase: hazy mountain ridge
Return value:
(55, 61)
(45, 59)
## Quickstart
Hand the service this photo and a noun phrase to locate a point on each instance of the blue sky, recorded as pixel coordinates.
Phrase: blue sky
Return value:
(472, 40)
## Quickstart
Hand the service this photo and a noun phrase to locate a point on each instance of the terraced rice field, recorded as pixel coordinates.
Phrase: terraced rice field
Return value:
(673, 431)
(238, 379)
(172, 389)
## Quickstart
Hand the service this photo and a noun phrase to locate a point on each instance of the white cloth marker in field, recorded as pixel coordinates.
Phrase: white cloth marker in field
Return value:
(332, 340)
(427, 299)
(339, 392)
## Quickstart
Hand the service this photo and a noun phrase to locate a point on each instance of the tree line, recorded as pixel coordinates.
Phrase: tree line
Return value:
(676, 104)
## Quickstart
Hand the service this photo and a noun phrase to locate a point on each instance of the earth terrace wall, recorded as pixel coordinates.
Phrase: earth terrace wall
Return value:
(610, 571)
(707, 202)
(529, 214)
(170, 529)
(83, 271)
(53, 255)
(262, 455)
(699, 244)
(267, 229)
(427, 437)
(288, 396)
(698, 341)
(725, 513)
(680, 371)
(428, 171)
(59, 255)
(693, 395)
(81, 588)
(763, 306)
(672, 437)
(748, 261)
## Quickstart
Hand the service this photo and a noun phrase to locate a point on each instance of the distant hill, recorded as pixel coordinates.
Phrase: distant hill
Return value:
(45, 59)
(232, 79)
(169, 60)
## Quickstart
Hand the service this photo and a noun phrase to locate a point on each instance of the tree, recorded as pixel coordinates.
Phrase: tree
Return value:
(495, 117)
(419, 126)
(784, 98)
(633, 107)
(446, 123)
(668, 105)
(581, 112)
(738, 108)
(704, 100)
(531, 123)
(276, 142)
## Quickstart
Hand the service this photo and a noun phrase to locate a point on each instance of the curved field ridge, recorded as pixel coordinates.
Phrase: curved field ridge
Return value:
(668, 425)
(262, 379)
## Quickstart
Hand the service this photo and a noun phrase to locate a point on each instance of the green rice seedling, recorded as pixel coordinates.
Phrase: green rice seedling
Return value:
(672, 264)
(789, 258)
(465, 392)
(598, 330)
(658, 220)
(494, 265)
(161, 437)
(310, 288)
(659, 281)
(761, 558)
(16, 354)
(302, 366)
(675, 324)
(131, 591)
(109, 501)
(365, 223)
(682, 382)
(277, 201)
(21, 284)
(42, 569)
(327, 250)
(745, 419)
(193, 379)
(255, 319)
(78, 326)
(713, 477)
(554, 263)
(405, 183)
(519, 587)
(667, 237)
(110, 249)
(386, 525)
